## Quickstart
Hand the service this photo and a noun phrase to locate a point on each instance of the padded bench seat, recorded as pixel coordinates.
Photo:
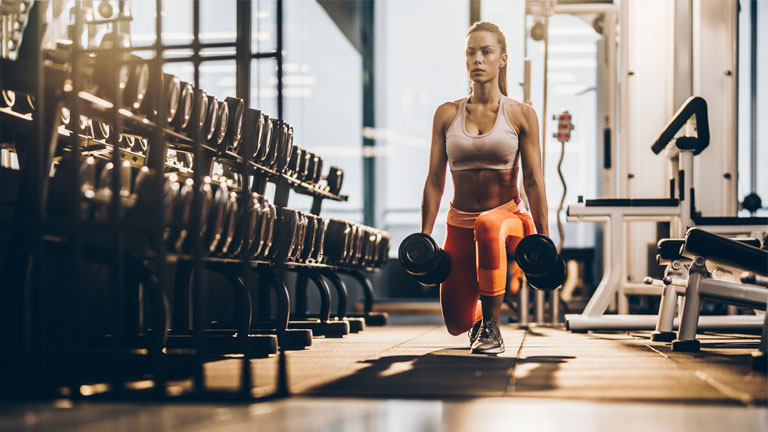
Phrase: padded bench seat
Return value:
(740, 221)
(718, 248)
(669, 249)
(632, 202)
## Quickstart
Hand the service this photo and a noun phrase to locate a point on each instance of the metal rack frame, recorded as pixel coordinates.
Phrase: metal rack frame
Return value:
(31, 222)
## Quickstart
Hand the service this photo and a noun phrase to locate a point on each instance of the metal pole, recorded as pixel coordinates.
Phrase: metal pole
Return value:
(369, 112)
(544, 108)
(523, 302)
(555, 299)
(243, 51)
(280, 59)
(753, 92)
(541, 300)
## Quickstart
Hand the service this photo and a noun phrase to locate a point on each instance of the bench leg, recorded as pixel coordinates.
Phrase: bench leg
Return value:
(667, 307)
(689, 321)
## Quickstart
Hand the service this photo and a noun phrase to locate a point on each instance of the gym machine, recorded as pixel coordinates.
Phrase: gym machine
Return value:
(679, 209)
(705, 249)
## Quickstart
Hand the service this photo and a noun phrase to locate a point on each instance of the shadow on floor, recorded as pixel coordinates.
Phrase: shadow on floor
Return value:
(444, 373)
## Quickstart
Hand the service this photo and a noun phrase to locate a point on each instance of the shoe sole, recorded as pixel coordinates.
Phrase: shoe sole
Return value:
(498, 350)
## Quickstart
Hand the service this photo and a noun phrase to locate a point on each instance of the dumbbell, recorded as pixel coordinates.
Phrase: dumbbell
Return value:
(382, 254)
(138, 83)
(285, 147)
(309, 175)
(313, 230)
(362, 232)
(254, 126)
(211, 118)
(250, 134)
(336, 240)
(131, 71)
(335, 179)
(287, 232)
(231, 222)
(222, 123)
(274, 142)
(216, 219)
(264, 141)
(304, 170)
(538, 258)
(349, 247)
(322, 226)
(257, 223)
(186, 104)
(195, 125)
(234, 129)
(239, 241)
(301, 236)
(290, 169)
(184, 224)
(270, 233)
(423, 259)
(182, 215)
(171, 90)
(7, 98)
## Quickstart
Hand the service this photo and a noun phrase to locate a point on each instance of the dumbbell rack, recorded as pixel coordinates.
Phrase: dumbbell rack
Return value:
(31, 226)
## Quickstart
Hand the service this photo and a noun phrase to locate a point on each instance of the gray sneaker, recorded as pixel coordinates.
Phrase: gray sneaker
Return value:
(489, 340)
(474, 331)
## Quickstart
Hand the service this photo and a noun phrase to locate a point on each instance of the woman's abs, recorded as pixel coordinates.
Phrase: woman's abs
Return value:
(480, 190)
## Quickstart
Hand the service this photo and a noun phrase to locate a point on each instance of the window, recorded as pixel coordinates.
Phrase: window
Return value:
(416, 71)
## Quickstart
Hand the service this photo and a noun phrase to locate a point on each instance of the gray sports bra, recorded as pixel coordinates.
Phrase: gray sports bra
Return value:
(495, 150)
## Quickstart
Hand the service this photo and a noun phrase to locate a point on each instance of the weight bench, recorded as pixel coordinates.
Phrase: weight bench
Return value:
(673, 287)
(706, 247)
(679, 210)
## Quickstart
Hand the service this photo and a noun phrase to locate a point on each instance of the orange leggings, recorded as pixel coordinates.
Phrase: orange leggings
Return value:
(479, 263)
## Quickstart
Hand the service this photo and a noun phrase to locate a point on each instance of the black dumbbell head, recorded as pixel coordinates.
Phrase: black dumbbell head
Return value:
(552, 280)
(536, 254)
(421, 257)
(186, 104)
(417, 253)
(234, 130)
(211, 118)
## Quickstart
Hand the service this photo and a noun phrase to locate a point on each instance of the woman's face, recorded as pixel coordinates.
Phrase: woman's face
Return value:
(484, 57)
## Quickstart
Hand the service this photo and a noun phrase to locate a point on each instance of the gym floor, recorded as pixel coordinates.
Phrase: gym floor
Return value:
(418, 377)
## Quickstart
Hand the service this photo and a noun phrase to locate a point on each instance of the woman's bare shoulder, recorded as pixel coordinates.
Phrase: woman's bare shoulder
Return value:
(447, 111)
(449, 108)
(520, 113)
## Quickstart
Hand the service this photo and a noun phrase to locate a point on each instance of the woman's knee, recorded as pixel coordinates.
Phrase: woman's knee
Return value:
(456, 328)
(487, 227)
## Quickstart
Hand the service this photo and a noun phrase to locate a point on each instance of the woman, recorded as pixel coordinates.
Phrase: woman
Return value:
(483, 138)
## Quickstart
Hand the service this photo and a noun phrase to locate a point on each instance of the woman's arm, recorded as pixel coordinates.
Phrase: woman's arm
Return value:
(533, 178)
(435, 184)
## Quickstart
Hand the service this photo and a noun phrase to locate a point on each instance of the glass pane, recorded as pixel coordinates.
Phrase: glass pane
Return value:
(177, 22)
(761, 92)
(264, 86)
(143, 24)
(323, 98)
(217, 78)
(434, 74)
(264, 25)
(218, 21)
(185, 71)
